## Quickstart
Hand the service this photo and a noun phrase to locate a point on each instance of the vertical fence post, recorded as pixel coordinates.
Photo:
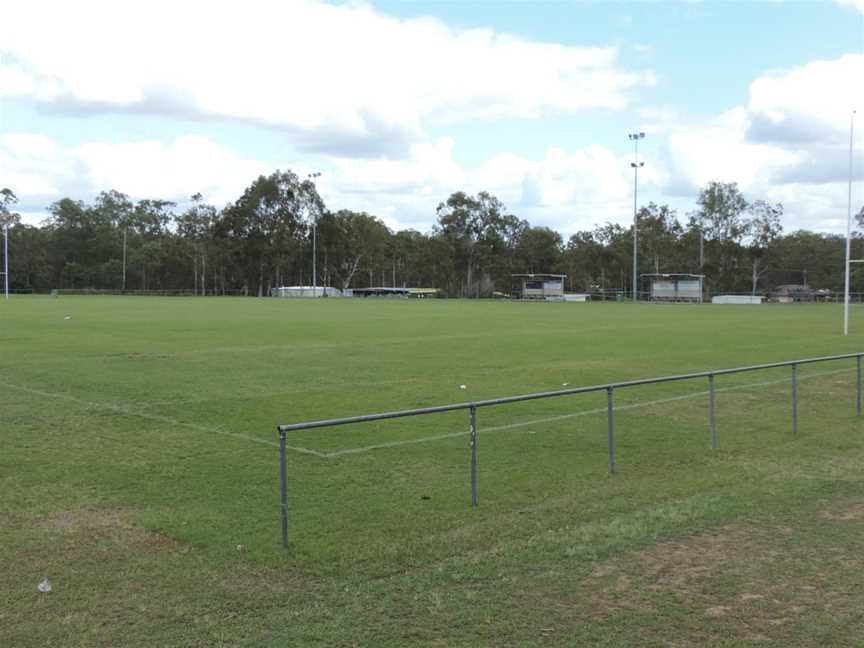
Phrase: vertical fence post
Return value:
(473, 411)
(795, 398)
(858, 385)
(283, 487)
(611, 429)
(712, 421)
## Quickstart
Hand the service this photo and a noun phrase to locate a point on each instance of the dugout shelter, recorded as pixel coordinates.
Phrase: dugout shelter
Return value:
(548, 287)
(673, 287)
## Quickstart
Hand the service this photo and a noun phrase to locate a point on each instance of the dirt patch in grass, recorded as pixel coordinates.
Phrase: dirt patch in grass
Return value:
(114, 524)
(845, 511)
(739, 583)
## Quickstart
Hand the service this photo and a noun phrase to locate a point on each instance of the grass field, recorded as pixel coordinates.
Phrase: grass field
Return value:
(139, 470)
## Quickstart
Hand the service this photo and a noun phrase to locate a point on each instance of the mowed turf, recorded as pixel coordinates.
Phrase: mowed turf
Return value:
(139, 470)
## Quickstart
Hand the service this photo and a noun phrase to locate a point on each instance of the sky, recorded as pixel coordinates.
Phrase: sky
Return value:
(400, 104)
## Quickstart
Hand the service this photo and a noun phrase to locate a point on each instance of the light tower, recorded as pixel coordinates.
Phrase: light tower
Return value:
(312, 177)
(636, 164)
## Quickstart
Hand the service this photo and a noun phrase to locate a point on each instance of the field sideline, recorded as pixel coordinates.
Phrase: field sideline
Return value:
(139, 471)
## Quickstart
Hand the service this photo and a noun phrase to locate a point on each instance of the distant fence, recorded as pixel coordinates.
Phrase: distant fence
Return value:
(609, 388)
(170, 292)
(645, 296)
(594, 295)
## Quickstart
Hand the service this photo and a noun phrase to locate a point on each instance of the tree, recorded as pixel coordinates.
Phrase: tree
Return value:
(539, 250)
(582, 262)
(722, 218)
(474, 228)
(266, 226)
(659, 234)
(8, 218)
(195, 227)
(351, 240)
(763, 228)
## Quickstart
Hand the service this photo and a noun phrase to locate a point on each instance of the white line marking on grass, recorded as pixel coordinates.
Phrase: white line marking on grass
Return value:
(120, 409)
(561, 417)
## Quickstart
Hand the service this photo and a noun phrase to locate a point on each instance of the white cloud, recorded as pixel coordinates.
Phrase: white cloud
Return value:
(339, 79)
(809, 103)
(40, 171)
(722, 152)
(857, 4)
(788, 143)
(567, 190)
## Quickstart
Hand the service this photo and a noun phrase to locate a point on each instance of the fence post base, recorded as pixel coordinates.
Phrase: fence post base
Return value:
(473, 413)
(858, 385)
(712, 420)
(610, 433)
(795, 399)
(283, 487)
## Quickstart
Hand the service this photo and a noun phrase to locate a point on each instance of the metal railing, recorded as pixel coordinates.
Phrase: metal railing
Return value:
(609, 388)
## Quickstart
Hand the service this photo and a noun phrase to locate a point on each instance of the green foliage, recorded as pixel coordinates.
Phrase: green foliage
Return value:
(265, 239)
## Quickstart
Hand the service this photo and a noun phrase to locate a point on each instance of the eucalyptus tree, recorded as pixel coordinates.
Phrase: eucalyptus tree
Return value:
(722, 216)
(539, 250)
(352, 242)
(475, 229)
(267, 226)
(195, 227)
(763, 229)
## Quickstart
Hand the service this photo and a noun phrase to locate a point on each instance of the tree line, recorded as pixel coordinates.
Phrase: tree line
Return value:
(264, 239)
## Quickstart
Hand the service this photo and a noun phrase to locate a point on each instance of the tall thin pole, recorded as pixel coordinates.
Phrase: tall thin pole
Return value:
(635, 228)
(124, 257)
(848, 229)
(311, 177)
(6, 260)
(635, 164)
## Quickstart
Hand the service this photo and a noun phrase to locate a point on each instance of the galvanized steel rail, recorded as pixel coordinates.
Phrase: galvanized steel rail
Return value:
(609, 388)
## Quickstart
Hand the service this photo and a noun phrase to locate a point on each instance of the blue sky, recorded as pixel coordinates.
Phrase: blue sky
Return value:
(400, 103)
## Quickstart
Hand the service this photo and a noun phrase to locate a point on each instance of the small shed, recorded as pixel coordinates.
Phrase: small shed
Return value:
(549, 287)
(674, 287)
(305, 291)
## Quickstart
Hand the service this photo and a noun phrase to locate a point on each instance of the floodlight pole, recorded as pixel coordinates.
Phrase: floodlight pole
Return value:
(848, 229)
(635, 137)
(314, 243)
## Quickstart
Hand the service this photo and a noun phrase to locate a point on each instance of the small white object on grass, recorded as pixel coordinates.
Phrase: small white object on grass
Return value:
(564, 384)
(67, 317)
(44, 586)
(462, 387)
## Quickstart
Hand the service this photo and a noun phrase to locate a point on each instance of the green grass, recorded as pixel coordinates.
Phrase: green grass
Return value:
(138, 469)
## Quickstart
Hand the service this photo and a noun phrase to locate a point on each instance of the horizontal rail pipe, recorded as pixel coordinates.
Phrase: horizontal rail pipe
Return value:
(609, 388)
(308, 425)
